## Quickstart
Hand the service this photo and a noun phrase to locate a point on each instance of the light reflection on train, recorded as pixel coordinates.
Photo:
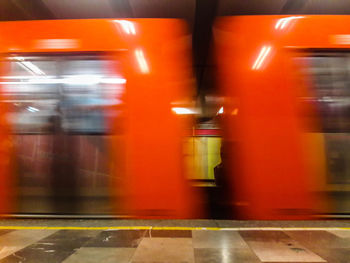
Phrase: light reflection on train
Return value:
(101, 119)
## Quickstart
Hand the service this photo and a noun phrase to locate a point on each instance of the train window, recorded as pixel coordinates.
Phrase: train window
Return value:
(70, 91)
(330, 78)
(59, 107)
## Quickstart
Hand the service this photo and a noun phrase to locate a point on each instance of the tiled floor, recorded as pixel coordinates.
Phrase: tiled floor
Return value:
(175, 246)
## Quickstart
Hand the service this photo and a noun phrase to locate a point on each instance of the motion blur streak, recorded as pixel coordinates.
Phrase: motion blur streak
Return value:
(30, 67)
(127, 26)
(91, 117)
(179, 110)
(100, 117)
(265, 50)
(293, 115)
(141, 61)
(7, 180)
(283, 22)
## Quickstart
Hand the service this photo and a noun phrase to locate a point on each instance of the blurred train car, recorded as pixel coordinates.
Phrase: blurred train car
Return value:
(92, 118)
(285, 80)
(96, 119)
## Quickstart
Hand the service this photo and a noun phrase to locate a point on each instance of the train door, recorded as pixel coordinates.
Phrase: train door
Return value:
(92, 104)
(60, 114)
(326, 73)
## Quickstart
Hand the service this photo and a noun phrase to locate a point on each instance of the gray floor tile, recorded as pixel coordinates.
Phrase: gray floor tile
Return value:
(327, 245)
(5, 231)
(37, 256)
(334, 255)
(218, 255)
(341, 233)
(170, 233)
(174, 246)
(172, 250)
(217, 239)
(105, 255)
(268, 236)
(53, 248)
(67, 234)
(321, 239)
(276, 246)
(117, 238)
(17, 240)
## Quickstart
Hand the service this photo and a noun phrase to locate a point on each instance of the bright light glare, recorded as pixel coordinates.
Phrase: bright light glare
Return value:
(140, 57)
(32, 67)
(340, 39)
(283, 22)
(221, 110)
(113, 81)
(17, 58)
(179, 110)
(127, 26)
(26, 77)
(32, 109)
(39, 81)
(82, 80)
(265, 50)
(71, 80)
(28, 66)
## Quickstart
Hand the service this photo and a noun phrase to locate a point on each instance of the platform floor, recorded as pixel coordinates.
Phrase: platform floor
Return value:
(180, 241)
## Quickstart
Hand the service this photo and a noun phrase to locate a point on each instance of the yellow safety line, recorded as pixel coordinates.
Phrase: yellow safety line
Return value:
(168, 228)
(184, 228)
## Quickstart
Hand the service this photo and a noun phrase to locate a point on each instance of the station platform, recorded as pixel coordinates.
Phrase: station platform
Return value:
(185, 241)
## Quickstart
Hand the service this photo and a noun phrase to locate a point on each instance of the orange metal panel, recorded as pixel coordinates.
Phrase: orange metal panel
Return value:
(272, 178)
(159, 77)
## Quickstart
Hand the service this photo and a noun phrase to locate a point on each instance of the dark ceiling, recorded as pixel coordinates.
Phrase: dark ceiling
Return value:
(199, 14)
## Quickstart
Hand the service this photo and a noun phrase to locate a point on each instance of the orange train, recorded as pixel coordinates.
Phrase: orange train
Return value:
(288, 78)
(99, 109)
(58, 79)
